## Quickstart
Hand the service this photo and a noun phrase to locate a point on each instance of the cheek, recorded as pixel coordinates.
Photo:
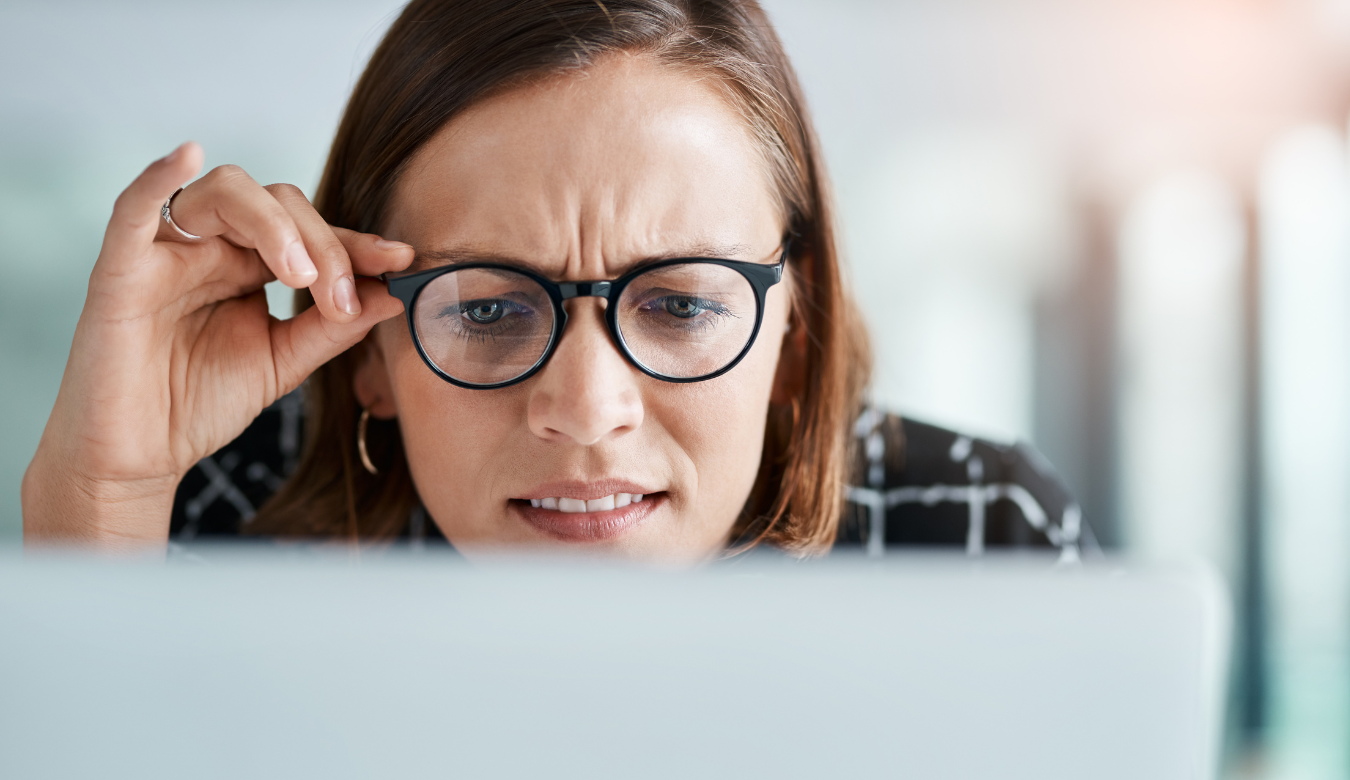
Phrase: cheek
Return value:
(458, 442)
(719, 424)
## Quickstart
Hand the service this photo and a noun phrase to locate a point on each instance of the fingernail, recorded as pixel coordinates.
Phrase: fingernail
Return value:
(297, 260)
(171, 156)
(344, 296)
(387, 245)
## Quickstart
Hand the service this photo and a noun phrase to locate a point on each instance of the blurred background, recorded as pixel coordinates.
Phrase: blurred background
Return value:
(1117, 229)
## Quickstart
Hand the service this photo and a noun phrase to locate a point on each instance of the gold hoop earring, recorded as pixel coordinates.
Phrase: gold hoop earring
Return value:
(361, 442)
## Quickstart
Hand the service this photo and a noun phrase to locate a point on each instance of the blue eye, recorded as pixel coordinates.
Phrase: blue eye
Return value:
(684, 308)
(489, 318)
(688, 310)
(483, 312)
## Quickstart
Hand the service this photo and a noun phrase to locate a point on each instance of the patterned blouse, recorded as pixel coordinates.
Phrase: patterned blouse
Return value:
(917, 485)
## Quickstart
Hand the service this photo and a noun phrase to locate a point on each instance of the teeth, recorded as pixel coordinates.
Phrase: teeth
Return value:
(574, 505)
(600, 504)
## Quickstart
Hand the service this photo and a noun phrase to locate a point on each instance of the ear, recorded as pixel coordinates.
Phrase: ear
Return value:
(371, 382)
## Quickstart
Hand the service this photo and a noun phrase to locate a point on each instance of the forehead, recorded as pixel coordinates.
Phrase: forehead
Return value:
(625, 160)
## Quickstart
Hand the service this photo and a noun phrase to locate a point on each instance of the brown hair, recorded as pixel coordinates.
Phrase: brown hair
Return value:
(439, 58)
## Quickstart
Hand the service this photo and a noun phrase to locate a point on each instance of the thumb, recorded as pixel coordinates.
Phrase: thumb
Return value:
(308, 340)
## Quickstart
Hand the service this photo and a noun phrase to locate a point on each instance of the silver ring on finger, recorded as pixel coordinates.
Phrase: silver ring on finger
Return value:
(168, 217)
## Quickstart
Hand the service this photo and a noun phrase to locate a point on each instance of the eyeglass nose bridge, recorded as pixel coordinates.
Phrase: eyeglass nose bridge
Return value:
(570, 290)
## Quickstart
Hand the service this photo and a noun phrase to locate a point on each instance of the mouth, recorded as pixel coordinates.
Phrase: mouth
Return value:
(579, 514)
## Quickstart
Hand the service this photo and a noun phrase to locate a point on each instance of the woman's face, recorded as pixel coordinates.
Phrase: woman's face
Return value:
(582, 178)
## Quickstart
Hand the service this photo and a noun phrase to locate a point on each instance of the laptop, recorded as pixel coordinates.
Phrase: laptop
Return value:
(402, 666)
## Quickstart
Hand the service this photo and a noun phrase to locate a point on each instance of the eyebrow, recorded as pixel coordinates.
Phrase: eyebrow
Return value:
(437, 258)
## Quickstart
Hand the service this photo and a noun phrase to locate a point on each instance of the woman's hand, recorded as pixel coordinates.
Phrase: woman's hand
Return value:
(175, 354)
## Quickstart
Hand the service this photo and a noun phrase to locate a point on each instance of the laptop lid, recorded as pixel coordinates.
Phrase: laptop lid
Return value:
(431, 667)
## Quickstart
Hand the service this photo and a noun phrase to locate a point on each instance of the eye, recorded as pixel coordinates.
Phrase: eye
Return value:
(684, 308)
(484, 312)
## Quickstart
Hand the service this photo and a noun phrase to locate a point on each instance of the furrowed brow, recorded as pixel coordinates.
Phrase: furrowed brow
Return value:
(719, 251)
(437, 258)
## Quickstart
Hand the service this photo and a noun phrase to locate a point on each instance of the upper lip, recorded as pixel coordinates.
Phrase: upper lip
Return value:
(586, 491)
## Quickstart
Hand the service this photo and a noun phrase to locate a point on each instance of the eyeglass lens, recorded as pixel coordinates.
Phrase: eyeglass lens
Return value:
(688, 320)
(485, 326)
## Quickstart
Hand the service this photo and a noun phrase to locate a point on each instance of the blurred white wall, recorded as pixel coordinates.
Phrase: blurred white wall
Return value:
(1305, 340)
(1183, 244)
(960, 234)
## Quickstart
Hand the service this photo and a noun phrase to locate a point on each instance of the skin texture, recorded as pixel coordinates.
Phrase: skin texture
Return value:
(580, 178)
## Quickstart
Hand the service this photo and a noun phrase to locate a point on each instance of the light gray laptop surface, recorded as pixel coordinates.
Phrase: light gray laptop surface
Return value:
(430, 667)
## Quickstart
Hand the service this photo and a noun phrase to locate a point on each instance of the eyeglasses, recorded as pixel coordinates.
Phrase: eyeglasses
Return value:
(487, 325)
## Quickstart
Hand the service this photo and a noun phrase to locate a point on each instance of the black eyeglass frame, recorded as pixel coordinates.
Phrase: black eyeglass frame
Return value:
(761, 277)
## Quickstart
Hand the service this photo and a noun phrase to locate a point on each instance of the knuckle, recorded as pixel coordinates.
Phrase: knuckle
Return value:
(330, 253)
(278, 223)
(287, 191)
(226, 174)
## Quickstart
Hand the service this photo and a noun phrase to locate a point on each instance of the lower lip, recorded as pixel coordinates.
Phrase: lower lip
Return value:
(583, 527)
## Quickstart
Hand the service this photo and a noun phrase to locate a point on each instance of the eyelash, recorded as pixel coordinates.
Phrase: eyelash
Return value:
(698, 322)
(454, 316)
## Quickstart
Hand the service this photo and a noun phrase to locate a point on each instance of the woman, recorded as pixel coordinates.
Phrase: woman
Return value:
(609, 314)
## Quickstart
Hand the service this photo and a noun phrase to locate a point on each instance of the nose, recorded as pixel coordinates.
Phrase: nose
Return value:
(588, 392)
